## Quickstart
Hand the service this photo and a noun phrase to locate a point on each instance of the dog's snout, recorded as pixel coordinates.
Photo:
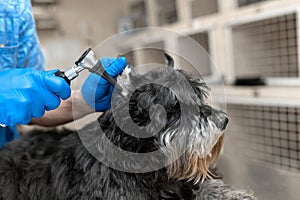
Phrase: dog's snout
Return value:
(226, 120)
(222, 120)
(219, 118)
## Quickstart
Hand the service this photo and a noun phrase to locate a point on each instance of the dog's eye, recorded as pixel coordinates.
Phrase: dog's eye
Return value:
(205, 110)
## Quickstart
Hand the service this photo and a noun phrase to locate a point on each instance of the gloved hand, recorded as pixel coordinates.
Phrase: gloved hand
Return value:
(27, 93)
(96, 91)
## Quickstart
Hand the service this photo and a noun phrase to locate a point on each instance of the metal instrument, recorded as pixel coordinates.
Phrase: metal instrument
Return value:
(88, 60)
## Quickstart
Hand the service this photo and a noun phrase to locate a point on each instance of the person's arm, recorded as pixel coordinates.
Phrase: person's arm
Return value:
(95, 95)
(27, 93)
(69, 110)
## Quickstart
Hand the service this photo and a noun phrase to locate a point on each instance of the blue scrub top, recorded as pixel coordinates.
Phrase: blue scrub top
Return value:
(19, 46)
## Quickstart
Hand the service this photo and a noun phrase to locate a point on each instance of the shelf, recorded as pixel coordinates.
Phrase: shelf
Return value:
(45, 18)
(243, 3)
(201, 8)
(258, 95)
(44, 2)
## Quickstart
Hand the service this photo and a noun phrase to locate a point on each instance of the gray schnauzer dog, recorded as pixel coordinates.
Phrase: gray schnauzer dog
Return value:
(166, 113)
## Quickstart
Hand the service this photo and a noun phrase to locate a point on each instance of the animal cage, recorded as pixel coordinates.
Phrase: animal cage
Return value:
(145, 55)
(138, 14)
(204, 7)
(201, 58)
(44, 17)
(265, 45)
(152, 53)
(270, 133)
(262, 144)
(129, 55)
(242, 3)
(166, 12)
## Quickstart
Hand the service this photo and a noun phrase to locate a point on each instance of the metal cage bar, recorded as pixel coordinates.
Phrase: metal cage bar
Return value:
(204, 7)
(268, 133)
(268, 47)
(166, 12)
(202, 38)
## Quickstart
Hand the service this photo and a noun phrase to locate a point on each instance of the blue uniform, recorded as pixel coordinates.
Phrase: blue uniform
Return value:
(19, 45)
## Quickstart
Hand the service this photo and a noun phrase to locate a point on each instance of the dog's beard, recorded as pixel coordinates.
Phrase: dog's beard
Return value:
(192, 148)
(192, 167)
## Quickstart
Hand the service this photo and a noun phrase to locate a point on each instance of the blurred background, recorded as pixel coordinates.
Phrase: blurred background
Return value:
(254, 47)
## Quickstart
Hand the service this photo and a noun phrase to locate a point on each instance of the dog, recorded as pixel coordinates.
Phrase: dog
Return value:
(165, 113)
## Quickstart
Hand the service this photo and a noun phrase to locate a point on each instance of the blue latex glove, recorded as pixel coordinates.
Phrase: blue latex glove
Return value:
(27, 93)
(96, 91)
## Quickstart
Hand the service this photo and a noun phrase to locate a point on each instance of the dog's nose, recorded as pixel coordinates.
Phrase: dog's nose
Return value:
(226, 120)
(222, 120)
(218, 117)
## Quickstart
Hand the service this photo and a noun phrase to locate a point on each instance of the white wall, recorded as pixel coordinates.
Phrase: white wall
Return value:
(83, 23)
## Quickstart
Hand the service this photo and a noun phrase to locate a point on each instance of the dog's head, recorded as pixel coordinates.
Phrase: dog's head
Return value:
(171, 107)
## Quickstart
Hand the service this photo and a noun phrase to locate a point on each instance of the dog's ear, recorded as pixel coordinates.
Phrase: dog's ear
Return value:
(170, 61)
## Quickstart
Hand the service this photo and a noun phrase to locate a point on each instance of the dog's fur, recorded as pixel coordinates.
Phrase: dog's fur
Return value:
(52, 165)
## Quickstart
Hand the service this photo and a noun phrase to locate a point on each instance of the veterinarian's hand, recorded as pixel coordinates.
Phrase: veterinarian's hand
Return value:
(27, 93)
(96, 91)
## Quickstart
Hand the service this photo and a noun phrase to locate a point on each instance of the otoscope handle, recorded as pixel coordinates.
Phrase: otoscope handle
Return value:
(61, 74)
